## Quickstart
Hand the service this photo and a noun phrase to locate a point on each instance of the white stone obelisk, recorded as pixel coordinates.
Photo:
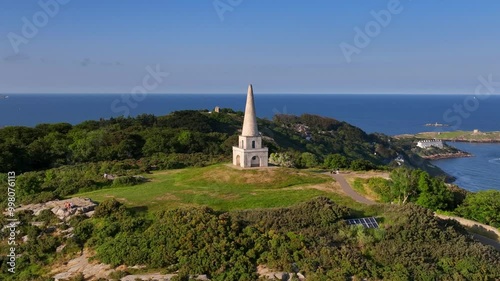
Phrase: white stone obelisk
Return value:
(249, 152)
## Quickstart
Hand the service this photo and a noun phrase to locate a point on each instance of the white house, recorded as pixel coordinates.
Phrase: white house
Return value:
(430, 143)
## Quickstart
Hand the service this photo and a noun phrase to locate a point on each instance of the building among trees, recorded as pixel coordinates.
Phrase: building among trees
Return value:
(430, 143)
(249, 152)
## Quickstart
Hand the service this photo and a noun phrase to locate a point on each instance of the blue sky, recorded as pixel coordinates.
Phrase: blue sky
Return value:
(281, 46)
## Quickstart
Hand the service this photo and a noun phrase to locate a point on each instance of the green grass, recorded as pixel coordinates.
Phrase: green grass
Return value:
(462, 135)
(358, 185)
(224, 188)
(361, 186)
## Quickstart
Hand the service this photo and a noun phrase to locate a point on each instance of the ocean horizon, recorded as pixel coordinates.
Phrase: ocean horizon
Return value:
(390, 114)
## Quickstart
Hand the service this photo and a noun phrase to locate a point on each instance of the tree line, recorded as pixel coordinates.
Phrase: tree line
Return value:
(213, 134)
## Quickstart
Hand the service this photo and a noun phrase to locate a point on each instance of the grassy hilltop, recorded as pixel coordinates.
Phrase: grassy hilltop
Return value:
(62, 159)
(223, 187)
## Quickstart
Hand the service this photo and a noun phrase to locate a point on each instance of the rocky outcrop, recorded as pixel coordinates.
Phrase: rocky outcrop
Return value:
(152, 276)
(446, 155)
(94, 271)
(159, 277)
(81, 264)
(63, 209)
(267, 273)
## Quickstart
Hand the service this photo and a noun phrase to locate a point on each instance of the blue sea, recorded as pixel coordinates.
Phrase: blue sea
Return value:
(475, 173)
(388, 114)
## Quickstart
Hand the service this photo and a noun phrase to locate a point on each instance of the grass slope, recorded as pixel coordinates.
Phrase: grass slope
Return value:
(358, 181)
(226, 188)
(461, 135)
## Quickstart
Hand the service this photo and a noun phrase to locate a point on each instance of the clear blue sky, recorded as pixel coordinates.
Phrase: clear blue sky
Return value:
(281, 46)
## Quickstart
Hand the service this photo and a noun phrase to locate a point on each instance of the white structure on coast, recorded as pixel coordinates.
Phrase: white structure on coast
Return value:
(249, 152)
(430, 143)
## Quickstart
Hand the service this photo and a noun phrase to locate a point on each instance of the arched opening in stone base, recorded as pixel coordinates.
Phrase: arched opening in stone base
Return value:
(255, 162)
(238, 160)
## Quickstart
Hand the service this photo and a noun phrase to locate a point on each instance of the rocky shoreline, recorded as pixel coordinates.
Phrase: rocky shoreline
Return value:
(447, 155)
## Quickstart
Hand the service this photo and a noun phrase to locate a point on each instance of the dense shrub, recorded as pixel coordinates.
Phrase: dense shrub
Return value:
(108, 208)
(310, 238)
(127, 180)
(361, 165)
(482, 206)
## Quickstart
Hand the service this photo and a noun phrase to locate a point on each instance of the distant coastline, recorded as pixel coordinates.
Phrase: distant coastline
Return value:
(469, 166)
(474, 136)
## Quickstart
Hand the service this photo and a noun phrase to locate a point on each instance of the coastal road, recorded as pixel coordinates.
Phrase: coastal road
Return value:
(350, 192)
(474, 224)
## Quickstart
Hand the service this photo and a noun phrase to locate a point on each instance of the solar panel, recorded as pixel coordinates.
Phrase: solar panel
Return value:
(366, 222)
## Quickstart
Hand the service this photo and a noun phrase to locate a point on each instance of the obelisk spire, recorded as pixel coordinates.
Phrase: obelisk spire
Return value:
(250, 120)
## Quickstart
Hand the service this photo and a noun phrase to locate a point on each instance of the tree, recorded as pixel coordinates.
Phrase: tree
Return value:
(403, 184)
(433, 193)
(13, 157)
(361, 165)
(283, 159)
(308, 160)
(146, 120)
(109, 207)
(483, 206)
(156, 140)
(49, 151)
(130, 147)
(336, 161)
(29, 184)
(184, 141)
(85, 145)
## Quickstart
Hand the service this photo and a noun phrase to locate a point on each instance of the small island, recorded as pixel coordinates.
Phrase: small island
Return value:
(436, 125)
